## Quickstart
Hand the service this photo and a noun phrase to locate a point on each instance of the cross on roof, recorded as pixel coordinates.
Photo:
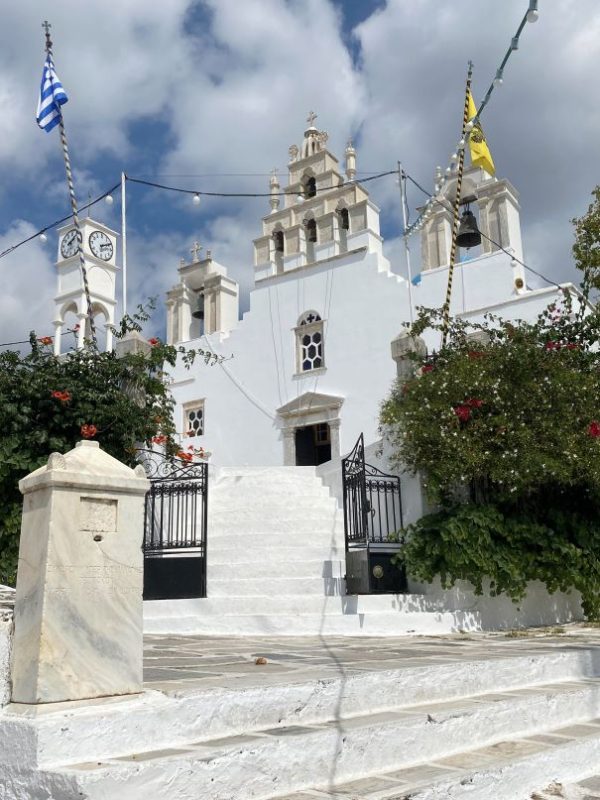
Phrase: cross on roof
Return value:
(311, 117)
(195, 251)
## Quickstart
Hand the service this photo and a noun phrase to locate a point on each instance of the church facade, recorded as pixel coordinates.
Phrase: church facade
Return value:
(311, 357)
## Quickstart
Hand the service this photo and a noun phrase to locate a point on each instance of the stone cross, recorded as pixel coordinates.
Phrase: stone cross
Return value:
(195, 251)
(311, 117)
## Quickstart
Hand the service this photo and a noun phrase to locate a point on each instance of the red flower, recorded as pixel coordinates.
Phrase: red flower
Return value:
(552, 345)
(154, 341)
(463, 412)
(184, 456)
(426, 368)
(45, 340)
(474, 402)
(88, 431)
(64, 397)
(572, 346)
(191, 432)
(190, 447)
(474, 354)
(594, 429)
(160, 439)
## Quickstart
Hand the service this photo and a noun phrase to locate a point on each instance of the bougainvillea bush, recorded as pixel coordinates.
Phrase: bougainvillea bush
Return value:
(504, 427)
(48, 404)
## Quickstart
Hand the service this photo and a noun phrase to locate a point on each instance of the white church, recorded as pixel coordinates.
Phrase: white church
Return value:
(313, 358)
(312, 355)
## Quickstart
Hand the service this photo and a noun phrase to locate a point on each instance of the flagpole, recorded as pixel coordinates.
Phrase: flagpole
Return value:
(124, 240)
(65, 149)
(459, 177)
(402, 180)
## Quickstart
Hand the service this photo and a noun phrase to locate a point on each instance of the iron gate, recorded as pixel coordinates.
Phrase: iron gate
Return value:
(372, 521)
(175, 522)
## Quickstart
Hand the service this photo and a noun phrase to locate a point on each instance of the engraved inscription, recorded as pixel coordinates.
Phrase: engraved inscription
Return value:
(98, 514)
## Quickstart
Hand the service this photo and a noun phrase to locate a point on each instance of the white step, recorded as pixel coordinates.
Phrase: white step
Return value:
(222, 550)
(276, 587)
(321, 567)
(272, 761)
(220, 536)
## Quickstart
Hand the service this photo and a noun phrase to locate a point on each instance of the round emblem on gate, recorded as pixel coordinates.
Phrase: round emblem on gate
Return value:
(378, 571)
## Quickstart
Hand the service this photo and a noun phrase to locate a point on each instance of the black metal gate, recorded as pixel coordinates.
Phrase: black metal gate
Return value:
(174, 527)
(372, 521)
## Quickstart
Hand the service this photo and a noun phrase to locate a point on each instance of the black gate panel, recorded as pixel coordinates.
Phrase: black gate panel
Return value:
(174, 577)
(175, 523)
(372, 520)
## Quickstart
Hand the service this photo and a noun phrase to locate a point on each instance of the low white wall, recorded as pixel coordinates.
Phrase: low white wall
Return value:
(538, 608)
(6, 636)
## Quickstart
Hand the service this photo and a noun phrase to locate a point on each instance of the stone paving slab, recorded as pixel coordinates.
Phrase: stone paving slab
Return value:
(175, 663)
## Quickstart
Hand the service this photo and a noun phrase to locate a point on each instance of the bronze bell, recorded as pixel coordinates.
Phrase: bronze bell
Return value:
(468, 233)
(198, 312)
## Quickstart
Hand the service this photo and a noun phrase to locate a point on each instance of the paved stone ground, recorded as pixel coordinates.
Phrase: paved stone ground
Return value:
(173, 663)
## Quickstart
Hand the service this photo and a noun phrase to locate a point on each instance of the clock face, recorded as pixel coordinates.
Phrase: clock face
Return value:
(69, 245)
(100, 245)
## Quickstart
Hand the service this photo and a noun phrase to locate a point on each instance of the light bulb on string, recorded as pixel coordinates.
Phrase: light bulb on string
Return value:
(469, 126)
(109, 200)
(43, 238)
(196, 199)
(461, 145)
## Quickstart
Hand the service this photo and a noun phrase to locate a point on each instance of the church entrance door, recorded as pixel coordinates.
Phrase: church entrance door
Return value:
(313, 445)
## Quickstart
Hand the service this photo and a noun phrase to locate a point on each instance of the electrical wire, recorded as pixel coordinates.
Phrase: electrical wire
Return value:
(251, 194)
(13, 247)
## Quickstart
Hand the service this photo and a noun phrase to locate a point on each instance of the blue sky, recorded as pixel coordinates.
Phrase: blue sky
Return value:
(209, 95)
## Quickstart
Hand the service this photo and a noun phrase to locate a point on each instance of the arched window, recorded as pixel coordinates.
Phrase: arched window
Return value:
(311, 230)
(309, 185)
(344, 227)
(309, 342)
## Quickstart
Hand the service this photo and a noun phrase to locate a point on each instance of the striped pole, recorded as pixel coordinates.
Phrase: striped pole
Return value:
(459, 177)
(65, 149)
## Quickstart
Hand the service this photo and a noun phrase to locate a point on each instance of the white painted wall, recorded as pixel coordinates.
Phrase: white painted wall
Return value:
(363, 306)
(6, 638)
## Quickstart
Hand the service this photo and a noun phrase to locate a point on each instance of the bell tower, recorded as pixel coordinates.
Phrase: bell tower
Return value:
(205, 300)
(324, 215)
(99, 251)
(497, 205)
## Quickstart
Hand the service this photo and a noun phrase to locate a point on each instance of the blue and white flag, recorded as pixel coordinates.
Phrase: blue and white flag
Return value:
(417, 279)
(52, 97)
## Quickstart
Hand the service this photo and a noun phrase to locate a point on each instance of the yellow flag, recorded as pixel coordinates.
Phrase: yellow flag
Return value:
(480, 152)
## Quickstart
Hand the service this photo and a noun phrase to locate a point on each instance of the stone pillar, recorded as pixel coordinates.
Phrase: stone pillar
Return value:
(289, 447)
(78, 607)
(334, 433)
(132, 343)
(58, 323)
(402, 347)
(109, 336)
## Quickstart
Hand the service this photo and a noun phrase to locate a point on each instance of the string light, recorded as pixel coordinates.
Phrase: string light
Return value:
(109, 200)
(196, 199)
(43, 238)
(531, 15)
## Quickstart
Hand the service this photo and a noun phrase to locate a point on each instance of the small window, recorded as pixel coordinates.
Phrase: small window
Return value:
(278, 238)
(309, 342)
(193, 419)
(344, 219)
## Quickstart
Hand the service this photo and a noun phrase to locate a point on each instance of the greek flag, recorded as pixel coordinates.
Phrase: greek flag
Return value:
(52, 97)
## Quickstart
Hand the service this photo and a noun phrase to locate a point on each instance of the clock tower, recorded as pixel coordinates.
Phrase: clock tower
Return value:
(99, 251)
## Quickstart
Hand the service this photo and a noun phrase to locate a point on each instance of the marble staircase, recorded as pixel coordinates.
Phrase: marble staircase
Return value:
(493, 726)
(276, 565)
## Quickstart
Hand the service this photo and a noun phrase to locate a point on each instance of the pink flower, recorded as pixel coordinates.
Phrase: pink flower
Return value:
(154, 341)
(427, 368)
(474, 402)
(552, 346)
(594, 429)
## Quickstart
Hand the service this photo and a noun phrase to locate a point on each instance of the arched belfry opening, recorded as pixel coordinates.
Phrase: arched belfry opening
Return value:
(309, 184)
(279, 247)
(310, 226)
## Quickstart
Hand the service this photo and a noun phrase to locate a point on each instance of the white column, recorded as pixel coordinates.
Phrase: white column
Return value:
(82, 317)
(334, 435)
(58, 323)
(289, 447)
(109, 336)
